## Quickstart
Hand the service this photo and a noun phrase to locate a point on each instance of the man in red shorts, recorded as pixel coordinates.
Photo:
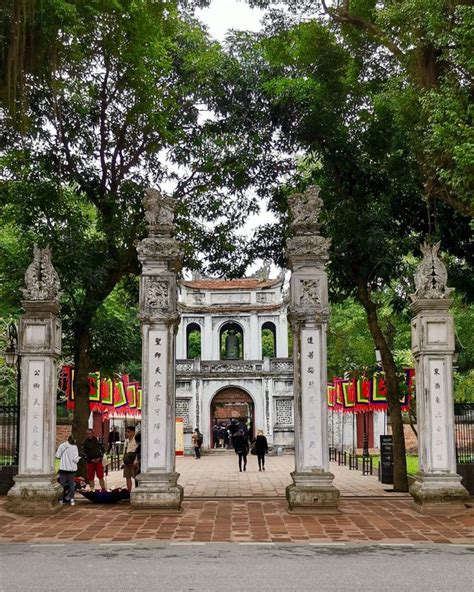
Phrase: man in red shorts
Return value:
(93, 452)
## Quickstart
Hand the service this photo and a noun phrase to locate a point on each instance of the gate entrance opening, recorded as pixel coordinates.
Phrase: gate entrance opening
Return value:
(232, 406)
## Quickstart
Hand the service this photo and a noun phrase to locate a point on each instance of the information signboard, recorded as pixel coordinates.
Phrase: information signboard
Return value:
(386, 459)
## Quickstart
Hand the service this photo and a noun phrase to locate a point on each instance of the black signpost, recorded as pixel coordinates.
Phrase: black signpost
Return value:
(386, 459)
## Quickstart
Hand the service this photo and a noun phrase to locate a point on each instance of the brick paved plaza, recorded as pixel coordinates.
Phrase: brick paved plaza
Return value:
(217, 475)
(368, 513)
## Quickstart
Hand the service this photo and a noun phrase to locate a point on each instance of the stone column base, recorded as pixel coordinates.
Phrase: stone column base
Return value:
(158, 492)
(312, 493)
(439, 493)
(34, 495)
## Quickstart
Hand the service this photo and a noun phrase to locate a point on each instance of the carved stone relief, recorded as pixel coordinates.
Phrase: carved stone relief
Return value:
(310, 292)
(156, 295)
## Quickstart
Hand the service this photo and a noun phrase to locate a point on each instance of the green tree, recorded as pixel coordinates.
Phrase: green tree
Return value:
(426, 46)
(268, 343)
(321, 101)
(118, 112)
(194, 344)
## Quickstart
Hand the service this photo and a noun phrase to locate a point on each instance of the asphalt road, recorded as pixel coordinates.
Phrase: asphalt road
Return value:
(235, 568)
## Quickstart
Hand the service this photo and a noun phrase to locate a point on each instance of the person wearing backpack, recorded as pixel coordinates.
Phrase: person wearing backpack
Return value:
(197, 442)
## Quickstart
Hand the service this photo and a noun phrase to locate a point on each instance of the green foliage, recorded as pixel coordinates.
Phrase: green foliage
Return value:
(194, 344)
(268, 344)
(464, 387)
(116, 335)
(350, 345)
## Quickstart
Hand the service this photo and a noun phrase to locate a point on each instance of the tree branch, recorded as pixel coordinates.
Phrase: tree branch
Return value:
(343, 15)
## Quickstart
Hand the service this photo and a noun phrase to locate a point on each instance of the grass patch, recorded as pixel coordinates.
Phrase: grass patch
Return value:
(412, 463)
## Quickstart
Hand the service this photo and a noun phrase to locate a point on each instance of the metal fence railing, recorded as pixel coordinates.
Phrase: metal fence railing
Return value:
(464, 430)
(9, 445)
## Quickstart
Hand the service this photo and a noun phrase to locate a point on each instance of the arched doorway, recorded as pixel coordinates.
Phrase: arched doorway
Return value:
(234, 408)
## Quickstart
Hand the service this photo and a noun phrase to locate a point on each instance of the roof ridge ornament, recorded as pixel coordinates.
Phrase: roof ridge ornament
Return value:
(431, 276)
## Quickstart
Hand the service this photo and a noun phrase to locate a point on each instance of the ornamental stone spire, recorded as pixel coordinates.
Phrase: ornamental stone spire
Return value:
(159, 254)
(312, 490)
(36, 490)
(437, 487)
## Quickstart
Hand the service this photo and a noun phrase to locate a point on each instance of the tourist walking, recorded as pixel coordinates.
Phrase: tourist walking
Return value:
(221, 435)
(215, 436)
(196, 439)
(241, 447)
(130, 463)
(93, 452)
(68, 455)
(261, 448)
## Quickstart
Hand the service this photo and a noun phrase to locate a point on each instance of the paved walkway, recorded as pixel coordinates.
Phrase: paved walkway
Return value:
(254, 511)
(217, 475)
(381, 520)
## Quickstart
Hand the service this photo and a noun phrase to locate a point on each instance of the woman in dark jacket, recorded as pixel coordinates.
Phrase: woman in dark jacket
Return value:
(261, 446)
(241, 447)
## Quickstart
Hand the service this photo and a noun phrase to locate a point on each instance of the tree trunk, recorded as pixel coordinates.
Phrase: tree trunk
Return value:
(400, 480)
(82, 367)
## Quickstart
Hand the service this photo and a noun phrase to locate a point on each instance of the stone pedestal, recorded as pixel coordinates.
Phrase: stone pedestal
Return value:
(312, 490)
(159, 254)
(437, 488)
(35, 490)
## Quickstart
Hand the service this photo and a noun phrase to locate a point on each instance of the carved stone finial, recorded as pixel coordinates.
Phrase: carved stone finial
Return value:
(305, 209)
(431, 276)
(41, 279)
(307, 243)
(159, 212)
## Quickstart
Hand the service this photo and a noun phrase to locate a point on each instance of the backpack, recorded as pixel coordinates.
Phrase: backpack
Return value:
(199, 439)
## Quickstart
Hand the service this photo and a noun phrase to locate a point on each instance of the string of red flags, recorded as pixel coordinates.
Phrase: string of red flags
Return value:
(117, 396)
(360, 394)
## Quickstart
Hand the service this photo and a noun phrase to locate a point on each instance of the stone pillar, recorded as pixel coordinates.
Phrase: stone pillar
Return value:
(159, 255)
(35, 490)
(437, 488)
(312, 490)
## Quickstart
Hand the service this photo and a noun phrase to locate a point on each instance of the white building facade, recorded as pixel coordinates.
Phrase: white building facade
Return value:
(235, 322)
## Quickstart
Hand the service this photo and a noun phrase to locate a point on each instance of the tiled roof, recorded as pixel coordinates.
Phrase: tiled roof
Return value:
(239, 284)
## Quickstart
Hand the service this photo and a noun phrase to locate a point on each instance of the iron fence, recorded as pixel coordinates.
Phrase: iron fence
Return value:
(9, 445)
(464, 430)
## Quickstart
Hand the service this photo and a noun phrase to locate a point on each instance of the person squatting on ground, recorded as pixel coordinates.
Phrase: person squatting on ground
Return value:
(130, 463)
(241, 447)
(68, 455)
(93, 452)
(261, 447)
(196, 439)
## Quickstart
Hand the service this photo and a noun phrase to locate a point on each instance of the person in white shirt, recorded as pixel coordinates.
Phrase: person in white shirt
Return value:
(130, 463)
(68, 455)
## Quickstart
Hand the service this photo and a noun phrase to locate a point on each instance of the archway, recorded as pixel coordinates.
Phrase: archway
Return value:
(228, 349)
(193, 341)
(232, 408)
(269, 342)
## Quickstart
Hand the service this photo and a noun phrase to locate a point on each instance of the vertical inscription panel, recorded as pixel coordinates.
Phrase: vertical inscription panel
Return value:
(157, 398)
(34, 443)
(311, 398)
(438, 398)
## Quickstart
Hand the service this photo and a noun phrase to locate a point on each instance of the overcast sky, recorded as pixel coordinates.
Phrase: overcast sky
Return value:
(223, 15)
